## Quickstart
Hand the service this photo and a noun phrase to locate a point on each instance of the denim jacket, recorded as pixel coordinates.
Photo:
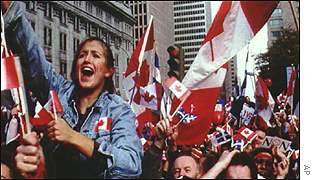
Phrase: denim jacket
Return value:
(120, 146)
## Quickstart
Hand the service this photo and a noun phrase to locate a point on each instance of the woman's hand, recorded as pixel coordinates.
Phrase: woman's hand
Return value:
(60, 131)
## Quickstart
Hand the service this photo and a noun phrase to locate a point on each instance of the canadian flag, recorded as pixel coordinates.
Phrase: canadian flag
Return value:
(264, 103)
(234, 26)
(179, 90)
(104, 124)
(248, 134)
(142, 79)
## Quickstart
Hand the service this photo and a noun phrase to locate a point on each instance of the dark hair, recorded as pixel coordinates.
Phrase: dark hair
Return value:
(109, 84)
(245, 159)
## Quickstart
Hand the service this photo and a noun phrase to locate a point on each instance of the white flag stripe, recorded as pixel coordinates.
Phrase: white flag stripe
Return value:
(237, 33)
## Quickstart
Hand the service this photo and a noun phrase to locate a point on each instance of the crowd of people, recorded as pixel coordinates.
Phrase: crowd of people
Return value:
(78, 145)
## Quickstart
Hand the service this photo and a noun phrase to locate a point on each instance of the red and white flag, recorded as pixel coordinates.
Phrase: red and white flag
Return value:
(179, 90)
(104, 124)
(264, 103)
(57, 107)
(142, 79)
(290, 89)
(41, 117)
(10, 68)
(234, 26)
(247, 133)
(10, 65)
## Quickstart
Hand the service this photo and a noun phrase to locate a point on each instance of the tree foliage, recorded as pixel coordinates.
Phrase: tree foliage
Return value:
(283, 52)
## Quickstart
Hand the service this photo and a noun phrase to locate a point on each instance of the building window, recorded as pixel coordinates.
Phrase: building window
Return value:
(99, 12)
(30, 5)
(136, 9)
(145, 9)
(63, 68)
(89, 7)
(140, 8)
(276, 33)
(140, 21)
(48, 10)
(63, 17)
(275, 23)
(93, 31)
(76, 43)
(47, 36)
(116, 23)
(108, 18)
(76, 25)
(63, 42)
(277, 12)
(77, 3)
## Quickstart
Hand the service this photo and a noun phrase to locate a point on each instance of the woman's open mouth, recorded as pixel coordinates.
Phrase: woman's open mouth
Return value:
(87, 71)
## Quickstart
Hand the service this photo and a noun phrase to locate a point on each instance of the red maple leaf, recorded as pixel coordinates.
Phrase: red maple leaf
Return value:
(246, 132)
(147, 97)
(178, 88)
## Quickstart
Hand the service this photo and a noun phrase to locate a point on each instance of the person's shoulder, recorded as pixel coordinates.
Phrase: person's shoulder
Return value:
(117, 100)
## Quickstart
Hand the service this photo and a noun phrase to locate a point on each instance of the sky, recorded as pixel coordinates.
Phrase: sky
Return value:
(257, 45)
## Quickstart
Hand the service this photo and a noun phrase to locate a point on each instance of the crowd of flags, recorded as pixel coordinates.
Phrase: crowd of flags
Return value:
(191, 105)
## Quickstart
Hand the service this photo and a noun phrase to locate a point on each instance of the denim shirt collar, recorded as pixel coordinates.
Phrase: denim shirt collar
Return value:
(98, 104)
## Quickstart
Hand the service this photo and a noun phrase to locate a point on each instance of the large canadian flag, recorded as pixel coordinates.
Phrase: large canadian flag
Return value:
(142, 79)
(234, 26)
